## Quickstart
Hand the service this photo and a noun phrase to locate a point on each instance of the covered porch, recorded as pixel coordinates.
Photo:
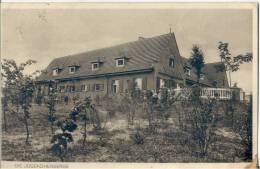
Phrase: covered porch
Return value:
(211, 92)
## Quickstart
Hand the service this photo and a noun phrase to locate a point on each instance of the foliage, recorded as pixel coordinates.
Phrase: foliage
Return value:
(148, 108)
(198, 120)
(84, 112)
(231, 64)
(75, 99)
(20, 88)
(51, 102)
(243, 126)
(62, 138)
(81, 113)
(138, 137)
(5, 108)
(197, 60)
(129, 106)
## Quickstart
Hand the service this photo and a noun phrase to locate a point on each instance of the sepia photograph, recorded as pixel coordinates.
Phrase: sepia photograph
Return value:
(162, 85)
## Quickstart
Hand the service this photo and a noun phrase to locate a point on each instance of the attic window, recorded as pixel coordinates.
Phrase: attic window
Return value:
(171, 62)
(72, 69)
(202, 76)
(120, 62)
(55, 71)
(187, 71)
(95, 66)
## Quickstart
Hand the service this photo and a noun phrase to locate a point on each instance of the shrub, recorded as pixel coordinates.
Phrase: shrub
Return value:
(243, 126)
(62, 138)
(138, 137)
(198, 120)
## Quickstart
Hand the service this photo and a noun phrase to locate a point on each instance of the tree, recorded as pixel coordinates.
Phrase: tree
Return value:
(20, 88)
(231, 64)
(81, 113)
(51, 102)
(25, 98)
(197, 60)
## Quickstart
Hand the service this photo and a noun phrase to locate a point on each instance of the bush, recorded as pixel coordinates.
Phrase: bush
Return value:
(198, 121)
(138, 137)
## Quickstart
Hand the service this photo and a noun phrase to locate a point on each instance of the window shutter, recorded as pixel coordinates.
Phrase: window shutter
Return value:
(121, 86)
(112, 83)
(144, 83)
(102, 87)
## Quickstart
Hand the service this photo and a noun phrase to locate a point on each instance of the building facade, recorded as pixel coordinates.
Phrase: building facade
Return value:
(145, 64)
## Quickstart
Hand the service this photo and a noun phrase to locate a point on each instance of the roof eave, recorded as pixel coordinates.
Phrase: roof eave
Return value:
(138, 71)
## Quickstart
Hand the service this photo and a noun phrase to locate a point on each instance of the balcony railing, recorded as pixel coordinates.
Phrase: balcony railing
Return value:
(220, 93)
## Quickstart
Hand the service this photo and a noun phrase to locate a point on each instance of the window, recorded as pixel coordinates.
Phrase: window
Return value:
(162, 83)
(202, 76)
(171, 62)
(115, 86)
(95, 66)
(62, 89)
(83, 87)
(138, 83)
(72, 69)
(99, 87)
(55, 72)
(120, 62)
(72, 88)
(187, 71)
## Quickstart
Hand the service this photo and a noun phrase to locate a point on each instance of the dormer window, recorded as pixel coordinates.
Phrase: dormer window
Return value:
(187, 71)
(120, 62)
(95, 66)
(171, 62)
(72, 69)
(202, 76)
(56, 71)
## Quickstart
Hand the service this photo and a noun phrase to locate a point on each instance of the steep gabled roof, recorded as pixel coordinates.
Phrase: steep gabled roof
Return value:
(214, 75)
(211, 72)
(141, 54)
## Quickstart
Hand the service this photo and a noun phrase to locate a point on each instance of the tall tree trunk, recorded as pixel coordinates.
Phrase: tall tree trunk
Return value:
(27, 130)
(85, 132)
(5, 126)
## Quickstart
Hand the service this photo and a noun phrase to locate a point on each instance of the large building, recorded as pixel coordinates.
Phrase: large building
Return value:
(148, 63)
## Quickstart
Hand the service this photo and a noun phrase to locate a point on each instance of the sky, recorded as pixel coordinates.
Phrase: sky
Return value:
(43, 34)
